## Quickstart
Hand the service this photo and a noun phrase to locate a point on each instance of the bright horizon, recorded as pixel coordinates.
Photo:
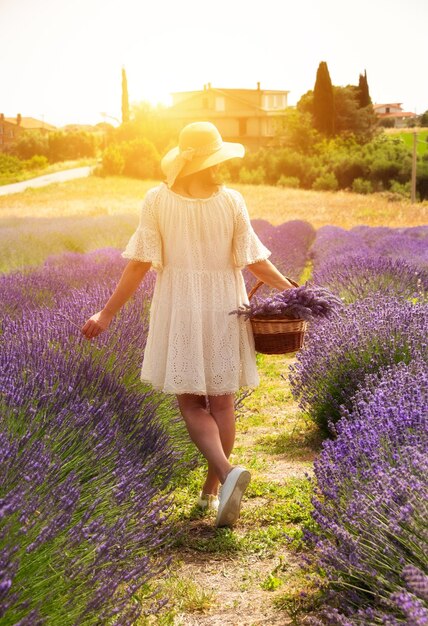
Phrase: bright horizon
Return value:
(62, 61)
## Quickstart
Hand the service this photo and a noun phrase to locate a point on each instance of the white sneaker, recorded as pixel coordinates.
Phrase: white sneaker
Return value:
(208, 501)
(231, 494)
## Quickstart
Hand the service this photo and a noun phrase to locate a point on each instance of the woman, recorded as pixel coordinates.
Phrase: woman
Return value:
(197, 236)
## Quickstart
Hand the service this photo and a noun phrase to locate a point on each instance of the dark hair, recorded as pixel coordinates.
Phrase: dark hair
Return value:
(207, 175)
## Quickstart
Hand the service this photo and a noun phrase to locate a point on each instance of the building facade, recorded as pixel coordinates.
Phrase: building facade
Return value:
(11, 128)
(394, 112)
(248, 116)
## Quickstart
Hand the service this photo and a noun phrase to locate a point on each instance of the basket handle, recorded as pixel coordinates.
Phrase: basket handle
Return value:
(259, 283)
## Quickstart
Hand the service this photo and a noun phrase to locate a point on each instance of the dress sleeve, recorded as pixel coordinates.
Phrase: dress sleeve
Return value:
(146, 242)
(247, 247)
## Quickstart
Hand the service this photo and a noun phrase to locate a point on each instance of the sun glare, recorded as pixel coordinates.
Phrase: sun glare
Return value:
(71, 72)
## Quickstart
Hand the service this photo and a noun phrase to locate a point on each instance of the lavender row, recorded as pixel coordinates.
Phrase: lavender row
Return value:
(88, 461)
(409, 243)
(355, 276)
(371, 503)
(366, 335)
(364, 260)
(289, 244)
(62, 275)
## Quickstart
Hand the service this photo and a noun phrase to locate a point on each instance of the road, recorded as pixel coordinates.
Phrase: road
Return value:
(47, 179)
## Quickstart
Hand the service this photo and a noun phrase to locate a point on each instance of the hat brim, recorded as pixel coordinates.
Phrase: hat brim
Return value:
(229, 150)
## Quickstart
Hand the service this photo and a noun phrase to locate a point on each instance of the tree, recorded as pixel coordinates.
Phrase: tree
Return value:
(363, 91)
(146, 122)
(295, 130)
(350, 117)
(30, 144)
(125, 101)
(323, 110)
(423, 119)
(306, 102)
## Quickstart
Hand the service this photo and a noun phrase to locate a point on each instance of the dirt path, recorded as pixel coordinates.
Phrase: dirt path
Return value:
(233, 577)
(46, 179)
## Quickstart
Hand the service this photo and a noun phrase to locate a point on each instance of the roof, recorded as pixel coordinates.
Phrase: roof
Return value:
(388, 104)
(398, 114)
(235, 94)
(231, 90)
(30, 123)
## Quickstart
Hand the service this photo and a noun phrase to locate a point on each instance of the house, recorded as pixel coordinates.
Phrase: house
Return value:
(248, 116)
(9, 132)
(395, 113)
(11, 128)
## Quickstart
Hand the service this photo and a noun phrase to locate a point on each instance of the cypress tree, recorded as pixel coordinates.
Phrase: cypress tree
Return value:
(363, 91)
(125, 102)
(323, 101)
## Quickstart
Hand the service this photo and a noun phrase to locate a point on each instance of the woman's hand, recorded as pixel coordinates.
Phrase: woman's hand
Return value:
(97, 324)
(132, 276)
(287, 285)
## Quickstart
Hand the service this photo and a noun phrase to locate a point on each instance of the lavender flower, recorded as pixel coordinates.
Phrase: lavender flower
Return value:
(416, 581)
(289, 244)
(354, 277)
(88, 455)
(332, 242)
(370, 502)
(304, 302)
(405, 243)
(366, 335)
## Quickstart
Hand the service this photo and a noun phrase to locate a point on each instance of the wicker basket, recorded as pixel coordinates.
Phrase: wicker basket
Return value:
(277, 335)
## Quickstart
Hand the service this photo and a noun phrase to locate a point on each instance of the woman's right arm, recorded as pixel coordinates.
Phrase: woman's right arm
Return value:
(132, 276)
(269, 274)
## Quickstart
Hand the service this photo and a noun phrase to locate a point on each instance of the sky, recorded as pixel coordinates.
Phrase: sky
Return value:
(61, 60)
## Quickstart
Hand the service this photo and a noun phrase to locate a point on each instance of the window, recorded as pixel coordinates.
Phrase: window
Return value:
(205, 103)
(387, 109)
(219, 103)
(279, 101)
(242, 126)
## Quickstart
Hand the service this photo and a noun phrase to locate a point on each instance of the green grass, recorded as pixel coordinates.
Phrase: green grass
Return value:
(275, 511)
(422, 137)
(17, 177)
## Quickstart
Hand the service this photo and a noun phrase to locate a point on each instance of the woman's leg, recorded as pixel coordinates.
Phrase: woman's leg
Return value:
(222, 408)
(204, 432)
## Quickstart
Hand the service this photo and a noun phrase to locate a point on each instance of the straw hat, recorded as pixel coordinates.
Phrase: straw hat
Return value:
(199, 146)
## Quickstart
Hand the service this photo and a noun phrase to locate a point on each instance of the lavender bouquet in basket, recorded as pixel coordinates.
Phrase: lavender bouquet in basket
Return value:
(305, 302)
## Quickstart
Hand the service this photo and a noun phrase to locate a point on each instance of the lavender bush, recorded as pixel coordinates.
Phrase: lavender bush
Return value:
(368, 334)
(406, 243)
(332, 242)
(263, 228)
(289, 244)
(353, 277)
(88, 456)
(371, 503)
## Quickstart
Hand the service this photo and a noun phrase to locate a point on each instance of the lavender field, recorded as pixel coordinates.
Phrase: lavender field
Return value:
(363, 378)
(87, 521)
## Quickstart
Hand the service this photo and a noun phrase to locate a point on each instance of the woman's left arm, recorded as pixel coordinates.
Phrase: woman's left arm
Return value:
(132, 276)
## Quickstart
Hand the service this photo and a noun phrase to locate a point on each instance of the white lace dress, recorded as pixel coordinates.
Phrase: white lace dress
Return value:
(198, 248)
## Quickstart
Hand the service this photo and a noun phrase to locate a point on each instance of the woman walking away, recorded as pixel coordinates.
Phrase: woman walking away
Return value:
(197, 236)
